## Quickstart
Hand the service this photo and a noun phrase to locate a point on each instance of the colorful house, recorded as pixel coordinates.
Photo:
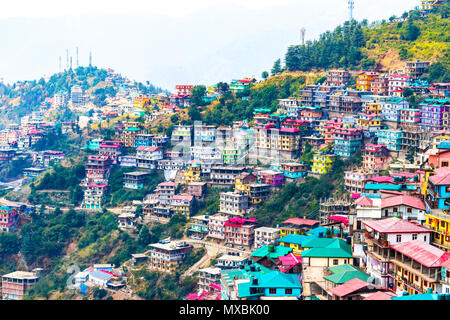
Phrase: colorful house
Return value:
(347, 141)
(322, 163)
(297, 226)
(9, 216)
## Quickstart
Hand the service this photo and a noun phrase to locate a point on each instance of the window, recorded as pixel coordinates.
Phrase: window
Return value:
(414, 236)
(288, 291)
(409, 210)
(399, 238)
(272, 291)
(335, 262)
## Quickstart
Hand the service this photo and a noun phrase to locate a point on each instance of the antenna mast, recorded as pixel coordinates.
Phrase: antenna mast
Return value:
(351, 6)
(303, 30)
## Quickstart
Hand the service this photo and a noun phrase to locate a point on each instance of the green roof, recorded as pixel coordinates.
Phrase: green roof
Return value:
(343, 273)
(326, 247)
(264, 251)
(274, 279)
(229, 274)
(424, 296)
(132, 129)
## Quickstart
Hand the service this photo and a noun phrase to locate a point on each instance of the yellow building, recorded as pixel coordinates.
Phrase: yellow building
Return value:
(368, 121)
(192, 174)
(140, 101)
(373, 108)
(364, 81)
(439, 222)
(322, 163)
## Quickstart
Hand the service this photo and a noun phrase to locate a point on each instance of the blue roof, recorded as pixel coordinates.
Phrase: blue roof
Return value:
(323, 230)
(100, 275)
(424, 296)
(444, 145)
(294, 238)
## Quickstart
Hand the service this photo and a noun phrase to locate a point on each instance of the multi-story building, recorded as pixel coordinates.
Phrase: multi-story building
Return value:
(182, 204)
(355, 180)
(224, 175)
(207, 277)
(77, 95)
(365, 80)
(9, 216)
(216, 227)
(271, 177)
(265, 236)
(15, 284)
(233, 203)
(416, 267)
(148, 157)
(98, 168)
(297, 226)
(128, 135)
(392, 139)
(197, 189)
(391, 108)
(143, 139)
(111, 149)
(410, 117)
(240, 231)
(375, 157)
(347, 141)
(416, 68)
(380, 235)
(437, 200)
(397, 82)
(434, 111)
(293, 170)
(165, 192)
(134, 180)
(256, 192)
(380, 86)
(94, 196)
(322, 163)
(338, 78)
(166, 257)
(199, 226)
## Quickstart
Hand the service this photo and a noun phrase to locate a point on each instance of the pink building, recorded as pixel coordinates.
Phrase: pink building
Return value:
(375, 157)
(396, 84)
(112, 149)
(8, 218)
(270, 177)
(354, 181)
(240, 231)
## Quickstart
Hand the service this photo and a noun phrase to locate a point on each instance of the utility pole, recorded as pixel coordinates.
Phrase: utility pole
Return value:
(77, 59)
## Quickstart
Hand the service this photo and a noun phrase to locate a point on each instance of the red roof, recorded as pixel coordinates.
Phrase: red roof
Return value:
(381, 179)
(441, 179)
(422, 252)
(300, 221)
(395, 225)
(364, 202)
(145, 148)
(339, 219)
(186, 197)
(405, 200)
(349, 287)
(380, 295)
(373, 147)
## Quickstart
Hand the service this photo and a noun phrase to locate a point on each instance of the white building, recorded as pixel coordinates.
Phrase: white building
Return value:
(265, 236)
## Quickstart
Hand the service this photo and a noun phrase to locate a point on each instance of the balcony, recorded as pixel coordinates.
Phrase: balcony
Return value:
(380, 242)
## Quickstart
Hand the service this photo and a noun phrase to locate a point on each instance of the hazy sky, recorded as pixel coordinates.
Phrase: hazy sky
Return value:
(168, 42)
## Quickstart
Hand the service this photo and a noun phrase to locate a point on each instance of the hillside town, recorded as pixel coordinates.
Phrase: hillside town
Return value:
(385, 237)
